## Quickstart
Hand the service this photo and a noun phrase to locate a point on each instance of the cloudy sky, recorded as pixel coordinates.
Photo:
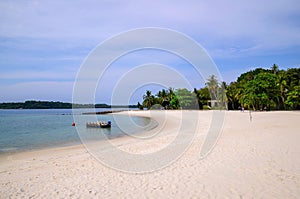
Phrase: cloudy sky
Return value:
(44, 43)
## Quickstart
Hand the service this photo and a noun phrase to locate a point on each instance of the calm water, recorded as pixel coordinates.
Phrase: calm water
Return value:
(34, 129)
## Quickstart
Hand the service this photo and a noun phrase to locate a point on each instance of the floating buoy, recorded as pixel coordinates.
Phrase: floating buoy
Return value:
(73, 123)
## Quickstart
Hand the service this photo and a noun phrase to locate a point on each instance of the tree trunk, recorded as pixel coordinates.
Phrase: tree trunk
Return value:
(282, 99)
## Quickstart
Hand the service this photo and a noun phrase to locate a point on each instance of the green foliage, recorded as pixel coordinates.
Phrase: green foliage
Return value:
(261, 91)
(203, 96)
(213, 86)
(174, 103)
(139, 106)
(170, 99)
(233, 93)
(149, 99)
(258, 89)
(265, 89)
(222, 97)
(248, 76)
(293, 98)
(186, 99)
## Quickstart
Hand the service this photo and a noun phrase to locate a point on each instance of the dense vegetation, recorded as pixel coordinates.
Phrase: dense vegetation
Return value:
(54, 105)
(266, 89)
(259, 89)
(35, 105)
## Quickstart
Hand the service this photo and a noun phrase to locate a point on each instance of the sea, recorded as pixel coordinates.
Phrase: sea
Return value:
(31, 129)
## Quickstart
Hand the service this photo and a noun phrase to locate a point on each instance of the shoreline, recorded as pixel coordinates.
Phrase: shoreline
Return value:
(251, 159)
(138, 113)
(79, 144)
(69, 141)
(41, 148)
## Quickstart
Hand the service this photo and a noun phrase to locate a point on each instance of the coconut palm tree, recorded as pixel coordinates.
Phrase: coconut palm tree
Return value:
(274, 69)
(222, 95)
(148, 99)
(163, 98)
(282, 83)
(212, 85)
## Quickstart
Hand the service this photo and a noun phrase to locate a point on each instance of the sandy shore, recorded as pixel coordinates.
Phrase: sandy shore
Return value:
(252, 159)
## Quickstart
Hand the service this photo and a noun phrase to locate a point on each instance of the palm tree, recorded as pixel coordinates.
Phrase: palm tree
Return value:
(281, 80)
(162, 95)
(212, 84)
(293, 98)
(222, 95)
(274, 69)
(148, 99)
(170, 93)
(173, 100)
(198, 96)
(163, 98)
(233, 94)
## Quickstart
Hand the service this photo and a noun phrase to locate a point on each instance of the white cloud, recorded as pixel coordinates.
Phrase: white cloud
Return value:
(267, 22)
(52, 35)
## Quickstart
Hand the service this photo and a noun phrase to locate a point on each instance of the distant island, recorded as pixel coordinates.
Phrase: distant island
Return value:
(56, 105)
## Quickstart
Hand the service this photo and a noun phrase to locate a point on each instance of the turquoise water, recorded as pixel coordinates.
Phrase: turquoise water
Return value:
(22, 130)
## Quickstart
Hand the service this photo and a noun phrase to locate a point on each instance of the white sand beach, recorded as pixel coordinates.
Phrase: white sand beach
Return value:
(252, 159)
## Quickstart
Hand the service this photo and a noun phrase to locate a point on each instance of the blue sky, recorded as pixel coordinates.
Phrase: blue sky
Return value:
(44, 43)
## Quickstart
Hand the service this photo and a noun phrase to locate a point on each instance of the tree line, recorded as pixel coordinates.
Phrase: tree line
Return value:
(258, 89)
(32, 104)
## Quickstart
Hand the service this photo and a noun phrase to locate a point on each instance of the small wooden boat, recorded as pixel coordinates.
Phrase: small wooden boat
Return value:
(98, 124)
